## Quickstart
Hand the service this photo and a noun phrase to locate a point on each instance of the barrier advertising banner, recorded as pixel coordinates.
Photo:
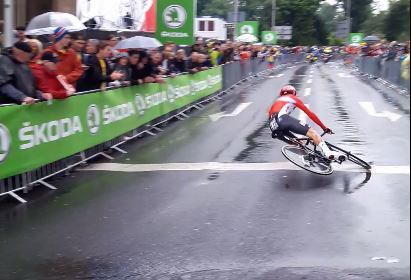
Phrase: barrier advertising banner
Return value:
(35, 135)
(175, 21)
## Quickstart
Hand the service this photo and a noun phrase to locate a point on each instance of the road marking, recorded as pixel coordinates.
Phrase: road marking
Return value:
(307, 92)
(219, 166)
(311, 76)
(370, 109)
(240, 108)
(303, 116)
(310, 81)
(343, 75)
(277, 76)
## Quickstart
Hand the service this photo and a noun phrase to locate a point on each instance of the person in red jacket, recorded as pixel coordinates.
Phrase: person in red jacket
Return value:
(47, 78)
(69, 64)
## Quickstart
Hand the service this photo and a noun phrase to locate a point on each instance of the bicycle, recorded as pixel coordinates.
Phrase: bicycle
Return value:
(303, 153)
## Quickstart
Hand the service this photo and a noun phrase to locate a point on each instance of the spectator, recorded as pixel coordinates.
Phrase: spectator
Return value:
(91, 46)
(78, 45)
(112, 41)
(37, 48)
(136, 66)
(122, 66)
(405, 65)
(47, 79)
(197, 63)
(180, 63)
(16, 80)
(99, 72)
(21, 34)
(215, 54)
(153, 70)
(68, 65)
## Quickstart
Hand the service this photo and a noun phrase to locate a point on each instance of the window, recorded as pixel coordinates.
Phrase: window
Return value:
(202, 25)
(211, 26)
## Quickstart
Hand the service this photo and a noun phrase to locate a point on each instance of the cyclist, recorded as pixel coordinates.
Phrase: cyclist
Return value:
(281, 121)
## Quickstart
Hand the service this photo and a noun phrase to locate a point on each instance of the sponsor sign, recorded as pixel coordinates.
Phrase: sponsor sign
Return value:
(35, 135)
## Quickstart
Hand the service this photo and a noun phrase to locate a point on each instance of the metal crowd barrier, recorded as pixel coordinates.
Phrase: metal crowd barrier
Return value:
(234, 73)
(378, 67)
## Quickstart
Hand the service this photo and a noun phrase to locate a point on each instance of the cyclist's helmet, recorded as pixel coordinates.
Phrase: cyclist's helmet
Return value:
(288, 90)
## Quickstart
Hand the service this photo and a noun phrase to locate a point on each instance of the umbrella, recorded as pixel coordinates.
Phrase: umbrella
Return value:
(247, 38)
(138, 42)
(46, 23)
(371, 39)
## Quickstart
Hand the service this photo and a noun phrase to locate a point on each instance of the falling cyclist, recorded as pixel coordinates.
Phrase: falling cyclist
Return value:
(282, 122)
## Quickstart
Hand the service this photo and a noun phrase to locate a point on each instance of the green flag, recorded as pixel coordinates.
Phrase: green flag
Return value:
(175, 21)
(248, 27)
(356, 38)
(269, 37)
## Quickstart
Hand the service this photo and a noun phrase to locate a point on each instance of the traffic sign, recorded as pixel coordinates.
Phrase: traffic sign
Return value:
(284, 30)
(284, 37)
(342, 29)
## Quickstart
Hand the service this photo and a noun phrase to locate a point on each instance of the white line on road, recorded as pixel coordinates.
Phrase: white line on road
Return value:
(370, 109)
(307, 92)
(240, 108)
(219, 166)
(310, 81)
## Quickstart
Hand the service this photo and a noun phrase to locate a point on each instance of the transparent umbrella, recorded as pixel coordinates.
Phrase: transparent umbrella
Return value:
(138, 42)
(371, 38)
(247, 38)
(45, 24)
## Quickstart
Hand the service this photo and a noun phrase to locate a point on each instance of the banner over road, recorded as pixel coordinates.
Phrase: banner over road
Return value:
(36, 135)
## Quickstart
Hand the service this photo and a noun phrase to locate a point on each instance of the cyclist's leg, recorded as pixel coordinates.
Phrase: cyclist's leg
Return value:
(318, 141)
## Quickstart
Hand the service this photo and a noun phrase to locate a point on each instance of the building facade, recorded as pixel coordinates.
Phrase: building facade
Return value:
(24, 10)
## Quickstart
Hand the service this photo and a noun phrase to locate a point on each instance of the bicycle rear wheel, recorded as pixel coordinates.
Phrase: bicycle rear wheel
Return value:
(307, 160)
(353, 158)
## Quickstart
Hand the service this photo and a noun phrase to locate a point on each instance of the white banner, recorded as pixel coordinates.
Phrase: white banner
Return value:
(115, 14)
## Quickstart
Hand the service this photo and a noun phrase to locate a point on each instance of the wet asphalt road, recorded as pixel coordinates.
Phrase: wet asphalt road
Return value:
(204, 224)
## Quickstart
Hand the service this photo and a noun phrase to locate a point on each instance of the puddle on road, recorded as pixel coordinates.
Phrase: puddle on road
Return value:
(260, 141)
(351, 132)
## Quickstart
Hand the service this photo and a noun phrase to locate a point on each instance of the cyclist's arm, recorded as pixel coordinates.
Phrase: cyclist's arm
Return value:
(310, 114)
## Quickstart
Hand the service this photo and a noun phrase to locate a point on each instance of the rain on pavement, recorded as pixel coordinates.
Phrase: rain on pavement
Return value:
(205, 210)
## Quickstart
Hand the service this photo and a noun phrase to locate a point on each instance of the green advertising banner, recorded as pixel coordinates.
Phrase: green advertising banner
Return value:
(175, 21)
(34, 135)
(269, 37)
(356, 38)
(248, 27)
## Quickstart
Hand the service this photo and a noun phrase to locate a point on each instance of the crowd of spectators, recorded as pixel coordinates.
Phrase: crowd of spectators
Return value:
(69, 64)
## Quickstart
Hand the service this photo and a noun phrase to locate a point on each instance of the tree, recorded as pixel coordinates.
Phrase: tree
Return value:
(360, 11)
(397, 20)
(328, 13)
(374, 25)
(215, 8)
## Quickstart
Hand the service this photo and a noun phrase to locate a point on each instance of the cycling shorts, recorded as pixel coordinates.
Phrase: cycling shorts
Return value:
(288, 123)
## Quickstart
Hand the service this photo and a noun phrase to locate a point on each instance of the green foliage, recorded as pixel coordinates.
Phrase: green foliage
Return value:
(397, 21)
(360, 11)
(314, 21)
(328, 14)
(374, 25)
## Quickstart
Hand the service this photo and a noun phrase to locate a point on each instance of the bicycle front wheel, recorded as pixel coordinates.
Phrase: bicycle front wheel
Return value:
(307, 160)
(353, 158)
